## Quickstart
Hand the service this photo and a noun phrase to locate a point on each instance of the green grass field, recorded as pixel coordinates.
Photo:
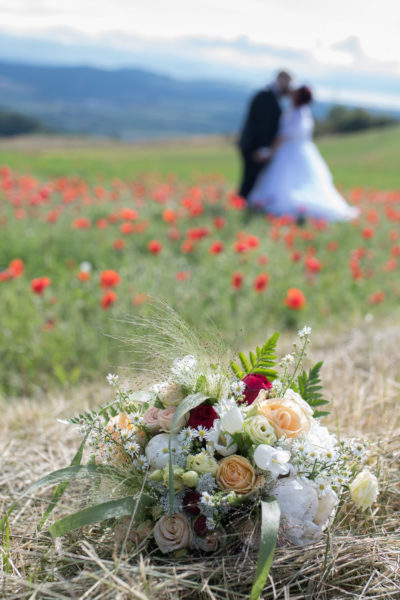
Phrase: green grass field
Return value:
(367, 159)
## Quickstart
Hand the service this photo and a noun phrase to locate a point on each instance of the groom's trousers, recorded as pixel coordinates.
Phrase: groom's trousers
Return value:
(250, 172)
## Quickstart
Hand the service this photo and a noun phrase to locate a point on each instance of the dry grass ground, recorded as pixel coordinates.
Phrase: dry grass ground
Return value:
(359, 558)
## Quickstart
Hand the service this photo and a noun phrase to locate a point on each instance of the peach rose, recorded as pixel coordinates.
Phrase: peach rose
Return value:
(150, 419)
(165, 418)
(235, 473)
(290, 416)
(172, 533)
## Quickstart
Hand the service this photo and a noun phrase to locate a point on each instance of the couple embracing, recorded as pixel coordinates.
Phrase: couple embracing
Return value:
(283, 171)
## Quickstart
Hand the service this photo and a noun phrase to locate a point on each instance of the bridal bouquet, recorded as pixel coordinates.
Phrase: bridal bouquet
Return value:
(213, 455)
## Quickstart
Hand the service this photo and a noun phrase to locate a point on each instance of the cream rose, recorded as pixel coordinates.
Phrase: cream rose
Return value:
(364, 489)
(290, 416)
(172, 533)
(171, 394)
(259, 430)
(235, 473)
(150, 419)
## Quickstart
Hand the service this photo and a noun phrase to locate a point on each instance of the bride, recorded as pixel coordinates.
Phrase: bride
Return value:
(297, 181)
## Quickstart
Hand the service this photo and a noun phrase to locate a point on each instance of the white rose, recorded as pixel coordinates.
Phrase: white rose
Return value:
(364, 489)
(157, 452)
(304, 514)
(259, 430)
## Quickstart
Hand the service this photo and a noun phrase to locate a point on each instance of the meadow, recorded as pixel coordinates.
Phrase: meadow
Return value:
(90, 232)
(176, 235)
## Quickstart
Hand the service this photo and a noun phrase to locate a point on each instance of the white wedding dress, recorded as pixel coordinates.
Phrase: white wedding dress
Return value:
(297, 181)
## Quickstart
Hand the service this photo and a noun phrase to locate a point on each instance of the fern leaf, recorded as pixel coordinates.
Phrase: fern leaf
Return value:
(247, 366)
(237, 370)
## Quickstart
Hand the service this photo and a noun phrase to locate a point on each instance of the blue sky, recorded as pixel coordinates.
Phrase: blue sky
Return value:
(348, 49)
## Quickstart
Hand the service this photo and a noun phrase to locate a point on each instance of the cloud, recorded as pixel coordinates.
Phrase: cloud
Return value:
(337, 71)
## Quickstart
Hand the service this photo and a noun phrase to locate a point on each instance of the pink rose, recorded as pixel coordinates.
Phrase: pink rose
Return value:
(150, 419)
(172, 533)
(165, 418)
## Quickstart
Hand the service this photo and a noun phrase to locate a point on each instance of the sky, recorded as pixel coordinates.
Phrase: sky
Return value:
(348, 49)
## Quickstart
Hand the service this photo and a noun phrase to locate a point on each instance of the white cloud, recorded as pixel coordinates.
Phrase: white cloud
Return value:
(348, 48)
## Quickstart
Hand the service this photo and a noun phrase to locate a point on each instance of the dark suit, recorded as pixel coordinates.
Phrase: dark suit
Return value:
(260, 129)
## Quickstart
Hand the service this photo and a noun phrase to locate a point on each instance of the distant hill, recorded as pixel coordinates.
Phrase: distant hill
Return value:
(126, 103)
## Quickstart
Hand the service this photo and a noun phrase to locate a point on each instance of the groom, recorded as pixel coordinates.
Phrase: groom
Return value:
(260, 129)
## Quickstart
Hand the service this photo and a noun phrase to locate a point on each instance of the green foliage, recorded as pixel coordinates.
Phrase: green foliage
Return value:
(106, 412)
(270, 517)
(342, 119)
(261, 362)
(60, 489)
(102, 512)
(309, 387)
(12, 123)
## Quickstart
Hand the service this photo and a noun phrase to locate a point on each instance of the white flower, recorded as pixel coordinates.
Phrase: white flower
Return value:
(304, 514)
(303, 333)
(206, 499)
(201, 433)
(183, 366)
(85, 266)
(231, 416)
(112, 379)
(288, 360)
(221, 441)
(135, 418)
(237, 387)
(364, 489)
(210, 523)
(133, 447)
(259, 430)
(277, 387)
(272, 460)
(157, 451)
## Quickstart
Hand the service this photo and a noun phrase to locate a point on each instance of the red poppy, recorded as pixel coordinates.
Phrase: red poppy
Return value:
(187, 246)
(129, 214)
(81, 223)
(127, 228)
(101, 223)
(313, 265)
(263, 259)
(219, 222)
(261, 282)
(295, 299)
(376, 297)
(368, 233)
(296, 256)
(332, 246)
(182, 275)
(169, 216)
(216, 248)
(83, 276)
(107, 299)
(109, 278)
(139, 299)
(237, 280)
(119, 244)
(154, 246)
(16, 267)
(39, 284)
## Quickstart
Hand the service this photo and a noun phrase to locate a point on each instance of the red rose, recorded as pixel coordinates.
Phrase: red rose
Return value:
(255, 383)
(203, 415)
(191, 502)
(200, 526)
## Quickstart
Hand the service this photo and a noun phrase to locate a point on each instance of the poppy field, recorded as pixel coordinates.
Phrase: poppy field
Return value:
(79, 255)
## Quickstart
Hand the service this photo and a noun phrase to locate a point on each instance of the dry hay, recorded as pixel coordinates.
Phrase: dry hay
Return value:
(358, 558)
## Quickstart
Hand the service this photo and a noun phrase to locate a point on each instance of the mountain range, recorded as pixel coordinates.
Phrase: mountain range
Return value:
(126, 103)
